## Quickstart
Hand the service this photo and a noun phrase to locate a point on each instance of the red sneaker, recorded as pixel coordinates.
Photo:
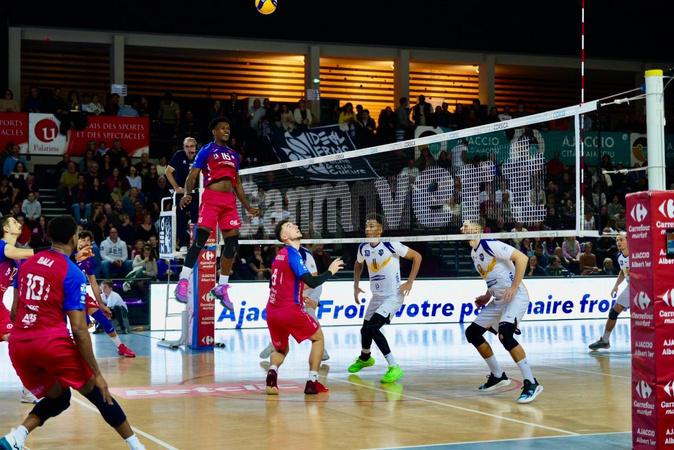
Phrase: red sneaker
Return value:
(125, 351)
(272, 384)
(315, 387)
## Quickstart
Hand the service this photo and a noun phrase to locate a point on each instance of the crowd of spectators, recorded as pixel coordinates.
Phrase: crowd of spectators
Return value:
(118, 198)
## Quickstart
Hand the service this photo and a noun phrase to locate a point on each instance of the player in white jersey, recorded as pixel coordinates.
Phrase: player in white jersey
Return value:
(311, 299)
(503, 305)
(388, 293)
(623, 300)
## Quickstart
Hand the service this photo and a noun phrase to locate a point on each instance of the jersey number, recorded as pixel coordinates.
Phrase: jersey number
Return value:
(35, 287)
(273, 277)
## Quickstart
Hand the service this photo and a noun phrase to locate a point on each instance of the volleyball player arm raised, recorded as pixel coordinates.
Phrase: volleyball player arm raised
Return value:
(521, 262)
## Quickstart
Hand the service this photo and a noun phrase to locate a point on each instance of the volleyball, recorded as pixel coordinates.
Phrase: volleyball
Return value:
(266, 6)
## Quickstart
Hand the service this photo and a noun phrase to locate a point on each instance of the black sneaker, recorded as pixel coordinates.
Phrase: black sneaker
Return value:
(600, 344)
(530, 391)
(272, 384)
(494, 382)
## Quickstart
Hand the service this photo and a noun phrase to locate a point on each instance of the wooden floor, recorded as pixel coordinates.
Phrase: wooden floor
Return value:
(215, 400)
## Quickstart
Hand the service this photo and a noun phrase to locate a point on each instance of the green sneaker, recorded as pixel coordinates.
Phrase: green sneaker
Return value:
(359, 364)
(393, 374)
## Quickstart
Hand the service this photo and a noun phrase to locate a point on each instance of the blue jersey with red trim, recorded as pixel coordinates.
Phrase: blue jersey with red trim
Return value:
(286, 284)
(217, 162)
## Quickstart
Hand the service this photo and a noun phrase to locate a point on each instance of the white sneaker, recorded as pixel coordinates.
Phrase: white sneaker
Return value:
(266, 353)
(9, 441)
(126, 286)
(28, 397)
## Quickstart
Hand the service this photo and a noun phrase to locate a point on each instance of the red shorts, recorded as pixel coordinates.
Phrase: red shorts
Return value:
(91, 303)
(5, 323)
(290, 321)
(219, 208)
(40, 363)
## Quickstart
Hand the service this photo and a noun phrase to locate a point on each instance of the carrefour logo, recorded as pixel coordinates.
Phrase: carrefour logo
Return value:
(669, 389)
(643, 389)
(208, 256)
(639, 212)
(642, 300)
(668, 297)
(666, 208)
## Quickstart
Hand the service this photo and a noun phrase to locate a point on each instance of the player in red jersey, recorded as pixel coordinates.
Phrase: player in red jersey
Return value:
(285, 309)
(47, 288)
(220, 166)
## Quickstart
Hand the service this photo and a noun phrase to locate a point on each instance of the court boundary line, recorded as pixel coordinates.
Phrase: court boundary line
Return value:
(154, 439)
(462, 408)
(490, 441)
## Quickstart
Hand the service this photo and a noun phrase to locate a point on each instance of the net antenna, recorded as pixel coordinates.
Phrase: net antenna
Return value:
(493, 173)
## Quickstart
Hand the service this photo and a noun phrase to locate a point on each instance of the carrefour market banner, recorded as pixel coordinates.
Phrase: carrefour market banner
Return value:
(431, 301)
(616, 144)
(45, 138)
(14, 128)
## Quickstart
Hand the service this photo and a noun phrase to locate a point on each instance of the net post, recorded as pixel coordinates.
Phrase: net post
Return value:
(576, 125)
(655, 129)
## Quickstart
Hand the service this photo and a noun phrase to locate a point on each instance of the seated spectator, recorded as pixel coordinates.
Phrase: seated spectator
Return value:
(151, 179)
(38, 236)
(555, 268)
(302, 115)
(287, 118)
(135, 181)
(31, 208)
(98, 193)
(257, 264)
(114, 254)
(144, 266)
(608, 268)
(126, 230)
(143, 166)
(588, 221)
(8, 103)
(541, 254)
(162, 166)
(146, 229)
(19, 180)
(7, 196)
(321, 257)
(588, 260)
(120, 312)
(571, 252)
(137, 248)
(13, 157)
(92, 105)
(81, 201)
(533, 269)
(66, 183)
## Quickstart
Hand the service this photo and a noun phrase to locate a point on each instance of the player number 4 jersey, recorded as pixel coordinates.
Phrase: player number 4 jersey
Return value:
(383, 266)
(492, 261)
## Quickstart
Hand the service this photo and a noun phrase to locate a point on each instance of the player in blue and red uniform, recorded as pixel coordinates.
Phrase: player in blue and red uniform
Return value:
(10, 229)
(94, 305)
(220, 166)
(285, 309)
(48, 288)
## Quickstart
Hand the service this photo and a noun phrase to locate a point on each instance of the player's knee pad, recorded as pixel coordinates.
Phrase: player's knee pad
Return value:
(51, 407)
(231, 246)
(101, 318)
(474, 334)
(112, 414)
(506, 331)
(613, 314)
(202, 236)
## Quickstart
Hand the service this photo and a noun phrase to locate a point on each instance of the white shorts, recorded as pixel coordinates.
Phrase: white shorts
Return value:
(498, 311)
(623, 298)
(384, 306)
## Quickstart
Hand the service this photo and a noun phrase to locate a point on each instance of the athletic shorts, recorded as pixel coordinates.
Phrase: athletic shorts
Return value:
(42, 362)
(623, 298)
(384, 306)
(219, 208)
(91, 302)
(289, 321)
(498, 311)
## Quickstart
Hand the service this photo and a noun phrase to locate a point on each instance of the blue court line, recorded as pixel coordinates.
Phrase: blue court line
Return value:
(594, 441)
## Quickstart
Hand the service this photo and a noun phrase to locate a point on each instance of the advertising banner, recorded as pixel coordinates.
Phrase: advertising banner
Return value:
(14, 128)
(650, 220)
